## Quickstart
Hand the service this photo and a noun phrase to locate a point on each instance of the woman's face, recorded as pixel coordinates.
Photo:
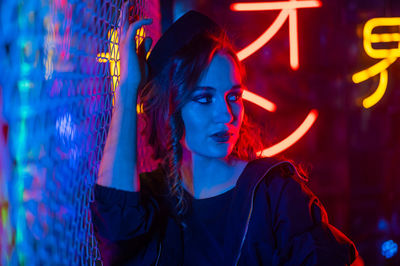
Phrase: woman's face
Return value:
(214, 114)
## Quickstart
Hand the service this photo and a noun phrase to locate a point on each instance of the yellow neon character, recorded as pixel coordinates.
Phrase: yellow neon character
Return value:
(113, 57)
(388, 56)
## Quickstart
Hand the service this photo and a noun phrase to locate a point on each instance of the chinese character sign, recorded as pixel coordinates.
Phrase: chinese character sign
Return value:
(387, 56)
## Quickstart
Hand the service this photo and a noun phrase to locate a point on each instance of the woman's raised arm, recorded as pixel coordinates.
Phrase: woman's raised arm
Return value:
(118, 166)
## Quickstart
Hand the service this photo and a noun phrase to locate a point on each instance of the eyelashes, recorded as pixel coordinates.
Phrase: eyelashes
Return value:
(203, 98)
(237, 96)
(207, 98)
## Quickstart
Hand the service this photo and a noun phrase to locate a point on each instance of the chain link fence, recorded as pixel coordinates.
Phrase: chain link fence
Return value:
(59, 68)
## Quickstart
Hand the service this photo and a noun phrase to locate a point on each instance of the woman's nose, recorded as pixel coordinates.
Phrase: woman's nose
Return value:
(223, 112)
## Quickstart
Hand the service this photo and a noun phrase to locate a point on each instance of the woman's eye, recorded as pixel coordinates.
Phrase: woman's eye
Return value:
(203, 99)
(235, 97)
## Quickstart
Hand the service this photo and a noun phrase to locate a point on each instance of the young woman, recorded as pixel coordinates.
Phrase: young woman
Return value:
(211, 201)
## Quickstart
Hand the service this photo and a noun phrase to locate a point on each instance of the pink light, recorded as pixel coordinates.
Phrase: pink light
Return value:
(288, 11)
(261, 6)
(292, 138)
(258, 100)
(294, 40)
(265, 37)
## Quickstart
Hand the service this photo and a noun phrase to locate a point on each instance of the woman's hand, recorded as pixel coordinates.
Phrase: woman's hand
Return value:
(119, 162)
(132, 63)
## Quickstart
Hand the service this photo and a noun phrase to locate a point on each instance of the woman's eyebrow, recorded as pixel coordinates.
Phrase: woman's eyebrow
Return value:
(209, 88)
(238, 86)
(205, 88)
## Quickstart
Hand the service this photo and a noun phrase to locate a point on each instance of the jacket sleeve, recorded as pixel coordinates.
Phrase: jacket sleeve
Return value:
(300, 224)
(122, 221)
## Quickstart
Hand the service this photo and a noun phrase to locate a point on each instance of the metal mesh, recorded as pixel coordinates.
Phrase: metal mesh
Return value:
(59, 62)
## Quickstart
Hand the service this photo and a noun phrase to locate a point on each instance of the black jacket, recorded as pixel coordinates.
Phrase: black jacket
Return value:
(274, 219)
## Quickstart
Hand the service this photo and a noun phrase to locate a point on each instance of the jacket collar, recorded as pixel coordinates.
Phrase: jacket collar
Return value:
(241, 206)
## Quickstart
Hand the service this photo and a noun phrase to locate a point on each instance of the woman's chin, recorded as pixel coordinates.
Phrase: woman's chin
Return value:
(221, 151)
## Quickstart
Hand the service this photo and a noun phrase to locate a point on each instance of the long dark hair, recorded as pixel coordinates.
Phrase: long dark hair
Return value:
(163, 97)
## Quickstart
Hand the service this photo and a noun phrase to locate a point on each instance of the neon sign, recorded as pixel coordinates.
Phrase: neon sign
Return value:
(288, 12)
(258, 100)
(112, 57)
(388, 56)
(292, 138)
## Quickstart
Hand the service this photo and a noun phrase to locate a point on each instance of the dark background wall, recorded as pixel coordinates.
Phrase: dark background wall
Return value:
(352, 153)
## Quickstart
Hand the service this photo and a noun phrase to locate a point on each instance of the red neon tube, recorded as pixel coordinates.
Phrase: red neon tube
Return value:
(274, 5)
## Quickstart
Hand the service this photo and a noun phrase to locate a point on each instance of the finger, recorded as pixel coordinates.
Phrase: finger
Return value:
(140, 23)
(123, 18)
(134, 27)
(126, 16)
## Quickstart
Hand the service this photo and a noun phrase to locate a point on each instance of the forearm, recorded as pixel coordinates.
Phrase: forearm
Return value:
(118, 168)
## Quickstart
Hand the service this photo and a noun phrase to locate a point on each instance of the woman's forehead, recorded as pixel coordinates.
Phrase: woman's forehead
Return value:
(222, 72)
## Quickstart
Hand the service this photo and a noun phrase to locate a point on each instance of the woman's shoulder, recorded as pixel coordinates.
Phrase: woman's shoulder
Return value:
(285, 186)
(276, 171)
(301, 219)
(275, 179)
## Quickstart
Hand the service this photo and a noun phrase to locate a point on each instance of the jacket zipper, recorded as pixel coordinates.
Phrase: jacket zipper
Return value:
(159, 253)
(251, 210)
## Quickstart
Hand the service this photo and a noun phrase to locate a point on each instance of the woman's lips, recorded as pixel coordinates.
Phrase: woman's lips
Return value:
(221, 137)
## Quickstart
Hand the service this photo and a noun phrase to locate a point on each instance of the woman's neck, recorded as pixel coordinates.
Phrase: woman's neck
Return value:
(205, 177)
